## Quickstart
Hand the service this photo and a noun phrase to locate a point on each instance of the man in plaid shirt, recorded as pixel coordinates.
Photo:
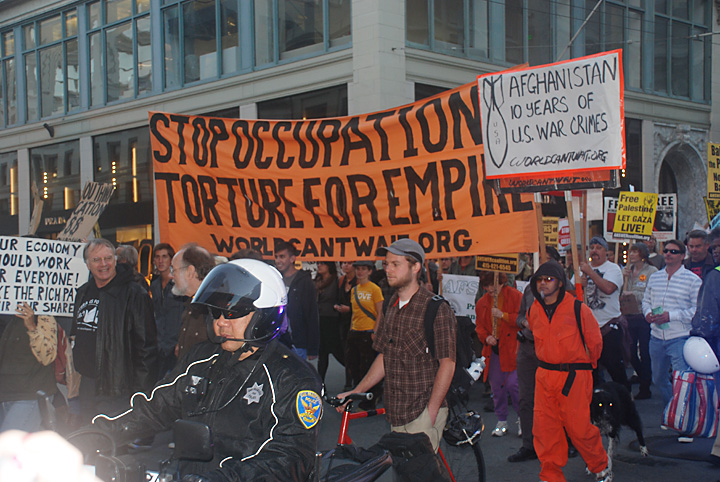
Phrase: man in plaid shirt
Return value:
(415, 381)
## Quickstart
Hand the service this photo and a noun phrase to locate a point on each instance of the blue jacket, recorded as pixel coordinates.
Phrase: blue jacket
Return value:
(706, 322)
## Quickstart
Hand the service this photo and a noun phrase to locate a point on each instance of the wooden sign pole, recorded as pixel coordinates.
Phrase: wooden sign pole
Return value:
(541, 231)
(573, 245)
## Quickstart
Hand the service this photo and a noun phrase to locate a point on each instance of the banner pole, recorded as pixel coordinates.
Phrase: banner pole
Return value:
(573, 245)
(541, 231)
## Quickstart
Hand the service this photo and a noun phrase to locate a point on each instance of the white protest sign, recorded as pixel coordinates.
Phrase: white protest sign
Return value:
(95, 196)
(554, 118)
(41, 272)
(460, 292)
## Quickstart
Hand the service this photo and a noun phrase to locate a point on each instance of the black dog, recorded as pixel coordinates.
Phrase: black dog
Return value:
(611, 407)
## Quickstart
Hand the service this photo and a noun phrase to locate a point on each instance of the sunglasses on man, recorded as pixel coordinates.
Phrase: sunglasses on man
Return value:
(671, 251)
(229, 314)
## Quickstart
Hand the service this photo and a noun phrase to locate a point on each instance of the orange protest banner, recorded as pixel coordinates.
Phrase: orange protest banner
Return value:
(337, 187)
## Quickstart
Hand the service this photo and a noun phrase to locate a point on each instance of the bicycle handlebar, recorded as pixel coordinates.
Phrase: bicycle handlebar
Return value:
(338, 402)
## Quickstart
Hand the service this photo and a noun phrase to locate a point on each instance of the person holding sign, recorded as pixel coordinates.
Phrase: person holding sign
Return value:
(669, 305)
(115, 347)
(603, 280)
(496, 328)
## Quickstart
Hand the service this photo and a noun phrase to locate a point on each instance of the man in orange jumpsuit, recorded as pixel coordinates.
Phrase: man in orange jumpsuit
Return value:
(564, 381)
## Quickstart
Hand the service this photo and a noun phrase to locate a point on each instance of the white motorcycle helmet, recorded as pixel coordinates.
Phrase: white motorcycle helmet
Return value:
(700, 356)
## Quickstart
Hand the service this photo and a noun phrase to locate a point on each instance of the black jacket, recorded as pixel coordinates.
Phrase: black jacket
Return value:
(253, 408)
(302, 313)
(126, 351)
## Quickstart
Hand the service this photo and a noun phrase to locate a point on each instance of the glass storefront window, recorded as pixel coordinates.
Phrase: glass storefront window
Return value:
(55, 170)
(8, 193)
(449, 25)
(171, 58)
(123, 159)
(117, 10)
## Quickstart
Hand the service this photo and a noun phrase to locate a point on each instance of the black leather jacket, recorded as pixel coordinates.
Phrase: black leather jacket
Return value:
(126, 350)
(263, 412)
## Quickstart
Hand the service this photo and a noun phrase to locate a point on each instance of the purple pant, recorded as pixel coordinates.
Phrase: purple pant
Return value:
(502, 383)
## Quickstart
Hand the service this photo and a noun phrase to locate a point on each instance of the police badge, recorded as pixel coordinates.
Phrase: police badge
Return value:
(309, 408)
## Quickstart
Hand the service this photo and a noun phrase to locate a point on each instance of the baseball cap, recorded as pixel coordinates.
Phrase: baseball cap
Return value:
(599, 240)
(404, 247)
(364, 262)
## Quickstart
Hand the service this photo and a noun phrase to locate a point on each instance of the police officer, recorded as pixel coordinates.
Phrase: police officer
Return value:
(259, 399)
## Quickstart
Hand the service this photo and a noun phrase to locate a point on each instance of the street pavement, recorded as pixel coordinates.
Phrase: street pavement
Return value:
(629, 465)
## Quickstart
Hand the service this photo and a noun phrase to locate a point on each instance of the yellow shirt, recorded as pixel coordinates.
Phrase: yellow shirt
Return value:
(369, 295)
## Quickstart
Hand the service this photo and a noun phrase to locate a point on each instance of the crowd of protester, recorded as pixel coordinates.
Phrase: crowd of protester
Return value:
(128, 332)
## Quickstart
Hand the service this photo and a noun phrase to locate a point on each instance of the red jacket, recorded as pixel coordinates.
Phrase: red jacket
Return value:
(559, 341)
(509, 302)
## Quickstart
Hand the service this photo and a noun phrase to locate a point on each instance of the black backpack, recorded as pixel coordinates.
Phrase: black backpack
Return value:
(464, 353)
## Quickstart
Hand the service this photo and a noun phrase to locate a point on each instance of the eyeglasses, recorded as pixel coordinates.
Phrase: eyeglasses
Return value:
(172, 270)
(217, 313)
(547, 279)
(107, 259)
(671, 251)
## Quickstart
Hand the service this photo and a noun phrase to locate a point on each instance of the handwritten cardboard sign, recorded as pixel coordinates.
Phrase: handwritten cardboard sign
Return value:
(95, 196)
(555, 118)
(635, 215)
(41, 272)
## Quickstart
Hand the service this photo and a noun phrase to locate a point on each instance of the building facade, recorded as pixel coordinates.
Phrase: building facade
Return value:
(77, 79)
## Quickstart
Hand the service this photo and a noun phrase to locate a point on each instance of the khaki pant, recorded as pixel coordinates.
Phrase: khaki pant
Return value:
(422, 425)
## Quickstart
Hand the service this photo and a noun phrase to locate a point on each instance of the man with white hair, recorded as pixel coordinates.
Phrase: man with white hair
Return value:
(115, 347)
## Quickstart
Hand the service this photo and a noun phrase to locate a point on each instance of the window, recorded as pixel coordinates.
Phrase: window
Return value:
(457, 27)
(55, 170)
(120, 51)
(682, 49)
(301, 27)
(123, 160)
(331, 102)
(615, 25)
(8, 193)
(52, 73)
(8, 92)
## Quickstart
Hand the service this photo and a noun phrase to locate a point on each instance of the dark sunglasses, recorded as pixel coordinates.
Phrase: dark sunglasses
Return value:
(671, 251)
(547, 279)
(228, 314)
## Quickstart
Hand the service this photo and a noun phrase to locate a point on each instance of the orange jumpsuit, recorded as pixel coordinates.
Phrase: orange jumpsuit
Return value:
(559, 342)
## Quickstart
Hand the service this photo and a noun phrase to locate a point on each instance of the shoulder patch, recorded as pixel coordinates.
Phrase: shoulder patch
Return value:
(309, 408)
